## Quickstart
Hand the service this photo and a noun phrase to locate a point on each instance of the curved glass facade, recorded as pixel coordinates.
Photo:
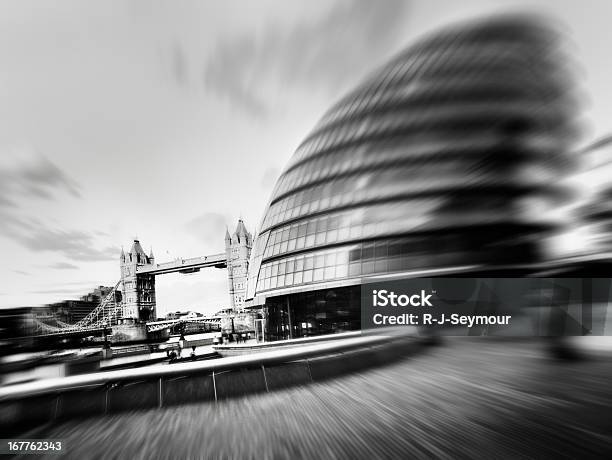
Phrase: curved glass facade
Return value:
(444, 159)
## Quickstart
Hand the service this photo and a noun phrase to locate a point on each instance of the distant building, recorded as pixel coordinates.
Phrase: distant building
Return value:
(238, 249)
(224, 311)
(97, 294)
(194, 314)
(73, 311)
(183, 314)
(175, 314)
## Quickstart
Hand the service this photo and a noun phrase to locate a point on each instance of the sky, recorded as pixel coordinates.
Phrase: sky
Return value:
(168, 121)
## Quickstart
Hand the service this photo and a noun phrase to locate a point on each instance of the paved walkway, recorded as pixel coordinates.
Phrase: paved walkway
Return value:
(469, 398)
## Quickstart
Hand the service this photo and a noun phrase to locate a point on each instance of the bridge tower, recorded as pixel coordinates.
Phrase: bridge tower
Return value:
(238, 249)
(138, 290)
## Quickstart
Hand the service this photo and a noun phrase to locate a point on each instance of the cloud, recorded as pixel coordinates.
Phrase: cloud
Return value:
(67, 292)
(327, 53)
(63, 266)
(21, 272)
(26, 174)
(34, 235)
(69, 289)
(72, 244)
(179, 65)
(231, 73)
(209, 227)
(26, 177)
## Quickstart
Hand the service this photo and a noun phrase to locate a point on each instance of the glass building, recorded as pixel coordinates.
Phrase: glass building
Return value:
(443, 161)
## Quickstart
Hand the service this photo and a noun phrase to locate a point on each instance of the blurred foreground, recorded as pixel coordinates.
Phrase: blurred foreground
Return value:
(476, 398)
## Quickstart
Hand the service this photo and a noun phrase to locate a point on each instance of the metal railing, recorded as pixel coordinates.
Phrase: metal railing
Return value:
(53, 386)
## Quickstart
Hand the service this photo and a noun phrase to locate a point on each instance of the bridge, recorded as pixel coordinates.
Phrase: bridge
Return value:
(153, 326)
(184, 265)
(133, 299)
(106, 315)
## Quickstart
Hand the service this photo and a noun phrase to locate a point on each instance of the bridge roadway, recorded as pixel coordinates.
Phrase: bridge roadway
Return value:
(469, 398)
(70, 332)
(153, 326)
(191, 265)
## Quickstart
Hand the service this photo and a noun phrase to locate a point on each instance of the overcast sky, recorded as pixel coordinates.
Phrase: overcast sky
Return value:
(168, 120)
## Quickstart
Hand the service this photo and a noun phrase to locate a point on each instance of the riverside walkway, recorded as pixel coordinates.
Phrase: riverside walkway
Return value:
(467, 398)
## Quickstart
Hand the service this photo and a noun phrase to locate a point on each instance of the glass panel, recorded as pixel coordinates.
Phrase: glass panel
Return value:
(355, 254)
(368, 267)
(319, 261)
(342, 257)
(355, 269)
(311, 227)
(367, 251)
(341, 271)
(381, 250)
(369, 229)
(381, 266)
(309, 263)
(343, 234)
(291, 245)
(395, 248)
(395, 264)
(290, 266)
(322, 225)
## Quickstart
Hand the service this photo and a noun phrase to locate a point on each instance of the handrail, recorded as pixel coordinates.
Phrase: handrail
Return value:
(300, 341)
(268, 357)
